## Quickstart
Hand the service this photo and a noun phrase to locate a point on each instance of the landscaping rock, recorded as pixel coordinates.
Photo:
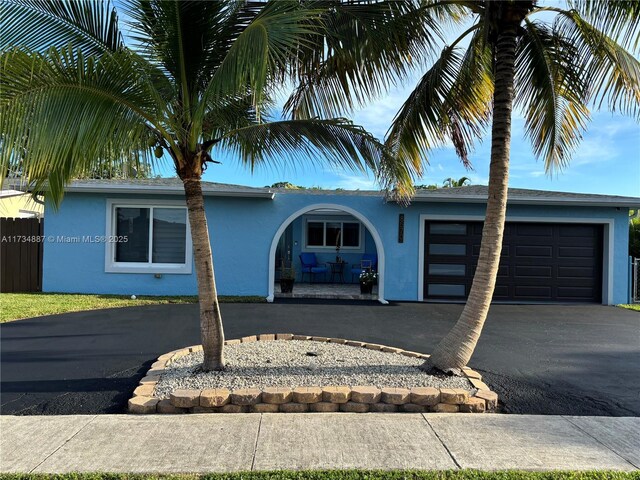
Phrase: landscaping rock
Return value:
(354, 407)
(425, 396)
(446, 408)
(231, 408)
(143, 404)
(277, 395)
(216, 397)
(412, 408)
(294, 407)
(284, 336)
(490, 398)
(473, 405)
(246, 396)
(150, 379)
(265, 337)
(204, 410)
(249, 339)
(365, 394)
(383, 408)
(185, 398)
(324, 407)
(307, 394)
(395, 395)
(453, 396)
(164, 406)
(336, 394)
(264, 408)
(144, 390)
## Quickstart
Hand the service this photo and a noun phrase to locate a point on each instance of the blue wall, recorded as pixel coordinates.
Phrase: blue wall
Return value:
(242, 231)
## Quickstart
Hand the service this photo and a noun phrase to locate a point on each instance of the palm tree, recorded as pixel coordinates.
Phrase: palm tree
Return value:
(453, 183)
(552, 63)
(195, 77)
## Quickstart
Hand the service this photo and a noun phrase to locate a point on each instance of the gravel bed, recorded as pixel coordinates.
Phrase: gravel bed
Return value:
(298, 363)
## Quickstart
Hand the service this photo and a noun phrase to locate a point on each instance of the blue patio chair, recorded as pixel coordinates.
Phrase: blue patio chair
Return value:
(311, 266)
(368, 263)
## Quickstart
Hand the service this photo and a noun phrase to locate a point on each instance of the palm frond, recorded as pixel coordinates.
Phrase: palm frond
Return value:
(617, 19)
(611, 72)
(551, 90)
(40, 24)
(336, 142)
(451, 101)
(62, 113)
(260, 56)
(365, 49)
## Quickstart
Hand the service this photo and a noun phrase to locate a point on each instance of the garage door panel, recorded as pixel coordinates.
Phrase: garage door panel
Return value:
(575, 292)
(539, 251)
(539, 262)
(576, 272)
(533, 291)
(576, 252)
(544, 271)
(534, 230)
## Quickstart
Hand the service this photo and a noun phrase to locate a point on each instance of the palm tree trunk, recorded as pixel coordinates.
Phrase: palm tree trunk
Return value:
(210, 318)
(455, 350)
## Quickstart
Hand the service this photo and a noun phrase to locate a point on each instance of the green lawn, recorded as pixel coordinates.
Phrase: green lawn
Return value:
(16, 306)
(351, 475)
(633, 306)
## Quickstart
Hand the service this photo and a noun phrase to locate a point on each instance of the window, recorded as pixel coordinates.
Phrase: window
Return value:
(329, 234)
(151, 237)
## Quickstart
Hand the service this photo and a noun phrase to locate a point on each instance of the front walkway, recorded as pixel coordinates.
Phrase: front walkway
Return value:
(331, 291)
(242, 442)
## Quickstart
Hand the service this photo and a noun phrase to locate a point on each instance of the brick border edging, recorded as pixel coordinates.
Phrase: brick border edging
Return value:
(357, 399)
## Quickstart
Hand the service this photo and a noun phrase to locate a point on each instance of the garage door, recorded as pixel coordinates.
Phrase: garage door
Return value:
(540, 261)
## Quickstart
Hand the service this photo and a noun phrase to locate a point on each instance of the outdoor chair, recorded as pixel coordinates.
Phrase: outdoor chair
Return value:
(369, 263)
(311, 267)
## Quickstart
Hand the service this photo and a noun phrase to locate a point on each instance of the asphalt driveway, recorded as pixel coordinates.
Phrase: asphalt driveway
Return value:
(542, 359)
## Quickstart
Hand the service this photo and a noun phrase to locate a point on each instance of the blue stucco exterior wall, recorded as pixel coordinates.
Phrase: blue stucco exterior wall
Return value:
(242, 231)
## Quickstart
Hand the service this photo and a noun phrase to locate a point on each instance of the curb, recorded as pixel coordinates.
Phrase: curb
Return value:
(337, 398)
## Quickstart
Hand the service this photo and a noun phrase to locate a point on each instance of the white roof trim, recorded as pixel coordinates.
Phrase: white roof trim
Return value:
(604, 202)
(166, 190)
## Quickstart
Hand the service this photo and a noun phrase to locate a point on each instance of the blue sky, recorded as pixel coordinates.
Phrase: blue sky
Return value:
(607, 160)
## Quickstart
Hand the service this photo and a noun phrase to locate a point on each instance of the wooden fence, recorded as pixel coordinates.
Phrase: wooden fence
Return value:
(21, 241)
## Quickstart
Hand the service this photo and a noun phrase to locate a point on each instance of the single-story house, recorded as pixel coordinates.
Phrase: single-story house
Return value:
(558, 247)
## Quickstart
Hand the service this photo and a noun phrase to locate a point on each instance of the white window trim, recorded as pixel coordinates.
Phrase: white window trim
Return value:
(308, 248)
(607, 247)
(111, 266)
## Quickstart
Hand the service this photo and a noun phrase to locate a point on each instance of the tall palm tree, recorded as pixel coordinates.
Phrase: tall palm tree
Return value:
(194, 77)
(551, 62)
(453, 183)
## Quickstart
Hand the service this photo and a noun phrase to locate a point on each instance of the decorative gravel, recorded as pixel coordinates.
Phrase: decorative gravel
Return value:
(296, 363)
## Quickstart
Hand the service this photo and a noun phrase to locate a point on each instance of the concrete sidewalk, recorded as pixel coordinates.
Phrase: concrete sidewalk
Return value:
(242, 442)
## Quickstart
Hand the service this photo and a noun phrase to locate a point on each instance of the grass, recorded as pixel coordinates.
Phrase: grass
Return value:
(633, 306)
(17, 306)
(350, 475)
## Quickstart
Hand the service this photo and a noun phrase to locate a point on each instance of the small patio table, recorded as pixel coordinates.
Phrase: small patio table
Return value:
(337, 270)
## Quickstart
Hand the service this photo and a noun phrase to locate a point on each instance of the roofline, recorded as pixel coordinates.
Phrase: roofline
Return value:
(605, 202)
(166, 190)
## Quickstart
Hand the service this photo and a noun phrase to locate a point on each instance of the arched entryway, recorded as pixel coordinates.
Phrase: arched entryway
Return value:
(326, 207)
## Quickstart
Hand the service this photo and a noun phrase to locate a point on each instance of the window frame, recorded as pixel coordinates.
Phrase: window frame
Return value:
(111, 266)
(324, 246)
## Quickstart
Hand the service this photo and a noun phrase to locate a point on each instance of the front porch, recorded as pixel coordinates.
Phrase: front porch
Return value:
(333, 291)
